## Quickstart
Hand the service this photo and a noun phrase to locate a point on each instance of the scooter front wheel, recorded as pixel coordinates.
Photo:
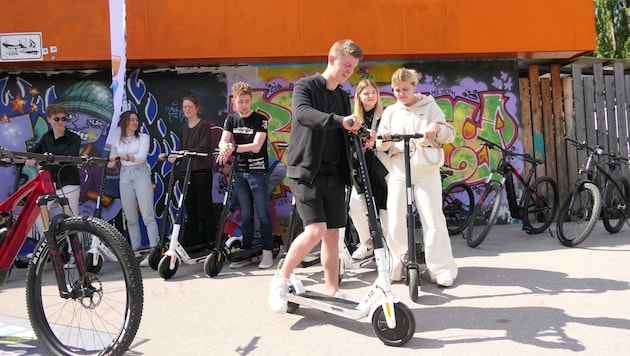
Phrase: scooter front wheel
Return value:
(401, 333)
(414, 283)
(91, 266)
(213, 264)
(164, 267)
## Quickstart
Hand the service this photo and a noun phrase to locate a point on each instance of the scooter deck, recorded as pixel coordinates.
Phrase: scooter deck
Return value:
(321, 300)
(245, 254)
(310, 260)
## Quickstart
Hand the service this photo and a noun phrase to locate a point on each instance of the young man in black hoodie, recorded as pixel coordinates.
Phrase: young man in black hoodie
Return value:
(318, 167)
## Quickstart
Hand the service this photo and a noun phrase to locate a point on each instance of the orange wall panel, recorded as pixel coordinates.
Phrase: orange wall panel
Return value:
(219, 32)
(79, 29)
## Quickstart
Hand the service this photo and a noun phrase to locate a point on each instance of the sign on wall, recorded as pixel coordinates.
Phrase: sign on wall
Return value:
(15, 47)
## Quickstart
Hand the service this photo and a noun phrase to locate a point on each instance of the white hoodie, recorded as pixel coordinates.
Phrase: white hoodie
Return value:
(401, 119)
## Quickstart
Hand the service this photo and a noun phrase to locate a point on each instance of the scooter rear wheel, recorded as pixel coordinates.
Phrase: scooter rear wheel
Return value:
(213, 264)
(401, 333)
(155, 256)
(164, 268)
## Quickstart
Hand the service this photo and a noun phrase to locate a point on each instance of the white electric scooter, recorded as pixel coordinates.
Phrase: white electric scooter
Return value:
(392, 321)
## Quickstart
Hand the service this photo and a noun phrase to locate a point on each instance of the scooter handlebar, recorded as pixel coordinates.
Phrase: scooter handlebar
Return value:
(400, 137)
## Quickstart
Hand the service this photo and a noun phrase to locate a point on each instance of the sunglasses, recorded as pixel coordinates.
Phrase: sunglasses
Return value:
(63, 118)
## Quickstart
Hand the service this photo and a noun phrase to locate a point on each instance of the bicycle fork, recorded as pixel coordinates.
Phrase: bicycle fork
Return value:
(50, 232)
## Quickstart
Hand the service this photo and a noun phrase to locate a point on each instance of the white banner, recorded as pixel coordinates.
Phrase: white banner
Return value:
(118, 34)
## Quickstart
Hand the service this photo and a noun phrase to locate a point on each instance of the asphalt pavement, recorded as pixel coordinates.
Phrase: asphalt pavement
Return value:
(516, 293)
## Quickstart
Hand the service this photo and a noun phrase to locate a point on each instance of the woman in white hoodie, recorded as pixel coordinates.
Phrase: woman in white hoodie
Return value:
(417, 113)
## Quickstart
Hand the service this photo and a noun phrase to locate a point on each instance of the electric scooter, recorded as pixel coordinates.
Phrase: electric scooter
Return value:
(415, 263)
(167, 267)
(156, 254)
(224, 250)
(94, 256)
(392, 321)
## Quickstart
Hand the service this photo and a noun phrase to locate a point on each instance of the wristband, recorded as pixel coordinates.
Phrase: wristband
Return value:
(235, 146)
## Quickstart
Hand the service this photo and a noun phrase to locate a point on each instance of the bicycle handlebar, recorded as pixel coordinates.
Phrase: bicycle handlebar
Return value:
(16, 157)
(584, 146)
(598, 150)
(525, 156)
(618, 159)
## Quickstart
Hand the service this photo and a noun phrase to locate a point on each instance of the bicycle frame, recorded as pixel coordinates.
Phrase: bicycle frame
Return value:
(37, 192)
(590, 172)
(516, 208)
(508, 172)
(587, 173)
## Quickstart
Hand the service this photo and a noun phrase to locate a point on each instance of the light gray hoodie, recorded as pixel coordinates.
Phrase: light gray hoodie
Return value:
(401, 119)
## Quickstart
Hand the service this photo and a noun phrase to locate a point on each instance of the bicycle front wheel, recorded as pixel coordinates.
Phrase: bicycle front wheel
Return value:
(616, 205)
(457, 204)
(540, 205)
(484, 215)
(578, 215)
(102, 313)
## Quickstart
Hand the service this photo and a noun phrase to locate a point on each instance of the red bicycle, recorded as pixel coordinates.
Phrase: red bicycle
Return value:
(94, 307)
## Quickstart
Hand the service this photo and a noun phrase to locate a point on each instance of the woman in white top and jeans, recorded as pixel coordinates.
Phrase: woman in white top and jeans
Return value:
(135, 180)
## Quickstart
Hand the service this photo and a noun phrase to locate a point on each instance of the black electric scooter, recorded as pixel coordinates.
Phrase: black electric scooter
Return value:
(415, 263)
(214, 262)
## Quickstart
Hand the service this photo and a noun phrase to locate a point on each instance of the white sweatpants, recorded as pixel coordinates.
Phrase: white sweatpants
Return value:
(426, 187)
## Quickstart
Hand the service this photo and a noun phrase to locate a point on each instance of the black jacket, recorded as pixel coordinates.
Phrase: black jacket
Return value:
(310, 126)
(68, 145)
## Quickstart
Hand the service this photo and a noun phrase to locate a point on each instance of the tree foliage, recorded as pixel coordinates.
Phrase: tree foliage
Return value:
(611, 26)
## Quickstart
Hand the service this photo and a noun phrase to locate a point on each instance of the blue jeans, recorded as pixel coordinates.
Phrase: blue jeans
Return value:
(136, 191)
(253, 194)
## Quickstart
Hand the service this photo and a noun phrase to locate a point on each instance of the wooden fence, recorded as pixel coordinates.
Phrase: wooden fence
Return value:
(585, 102)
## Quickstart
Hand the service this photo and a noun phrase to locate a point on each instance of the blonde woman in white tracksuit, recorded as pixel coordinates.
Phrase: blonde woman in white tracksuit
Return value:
(417, 113)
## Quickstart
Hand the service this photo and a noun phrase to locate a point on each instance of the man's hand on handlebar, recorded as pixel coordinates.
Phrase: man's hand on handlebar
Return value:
(352, 123)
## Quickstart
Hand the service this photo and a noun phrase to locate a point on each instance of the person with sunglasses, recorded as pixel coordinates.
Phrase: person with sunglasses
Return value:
(59, 141)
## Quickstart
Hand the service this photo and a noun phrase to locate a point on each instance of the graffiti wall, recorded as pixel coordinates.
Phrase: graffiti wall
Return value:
(478, 97)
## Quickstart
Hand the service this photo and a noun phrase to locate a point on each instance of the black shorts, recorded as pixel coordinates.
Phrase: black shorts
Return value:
(322, 201)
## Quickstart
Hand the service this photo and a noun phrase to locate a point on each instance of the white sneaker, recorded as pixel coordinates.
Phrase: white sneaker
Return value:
(278, 289)
(340, 295)
(444, 281)
(145, 261)
(242, 263)
(363, 251)
(267, 259)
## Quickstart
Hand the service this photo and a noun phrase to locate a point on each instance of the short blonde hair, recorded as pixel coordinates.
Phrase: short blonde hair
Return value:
(345, 47)
(405, 75)
(241, 88)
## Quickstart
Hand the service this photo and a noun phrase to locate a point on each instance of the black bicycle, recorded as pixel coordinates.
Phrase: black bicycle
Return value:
(538, 200)
(457, 203)
(583, 207)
